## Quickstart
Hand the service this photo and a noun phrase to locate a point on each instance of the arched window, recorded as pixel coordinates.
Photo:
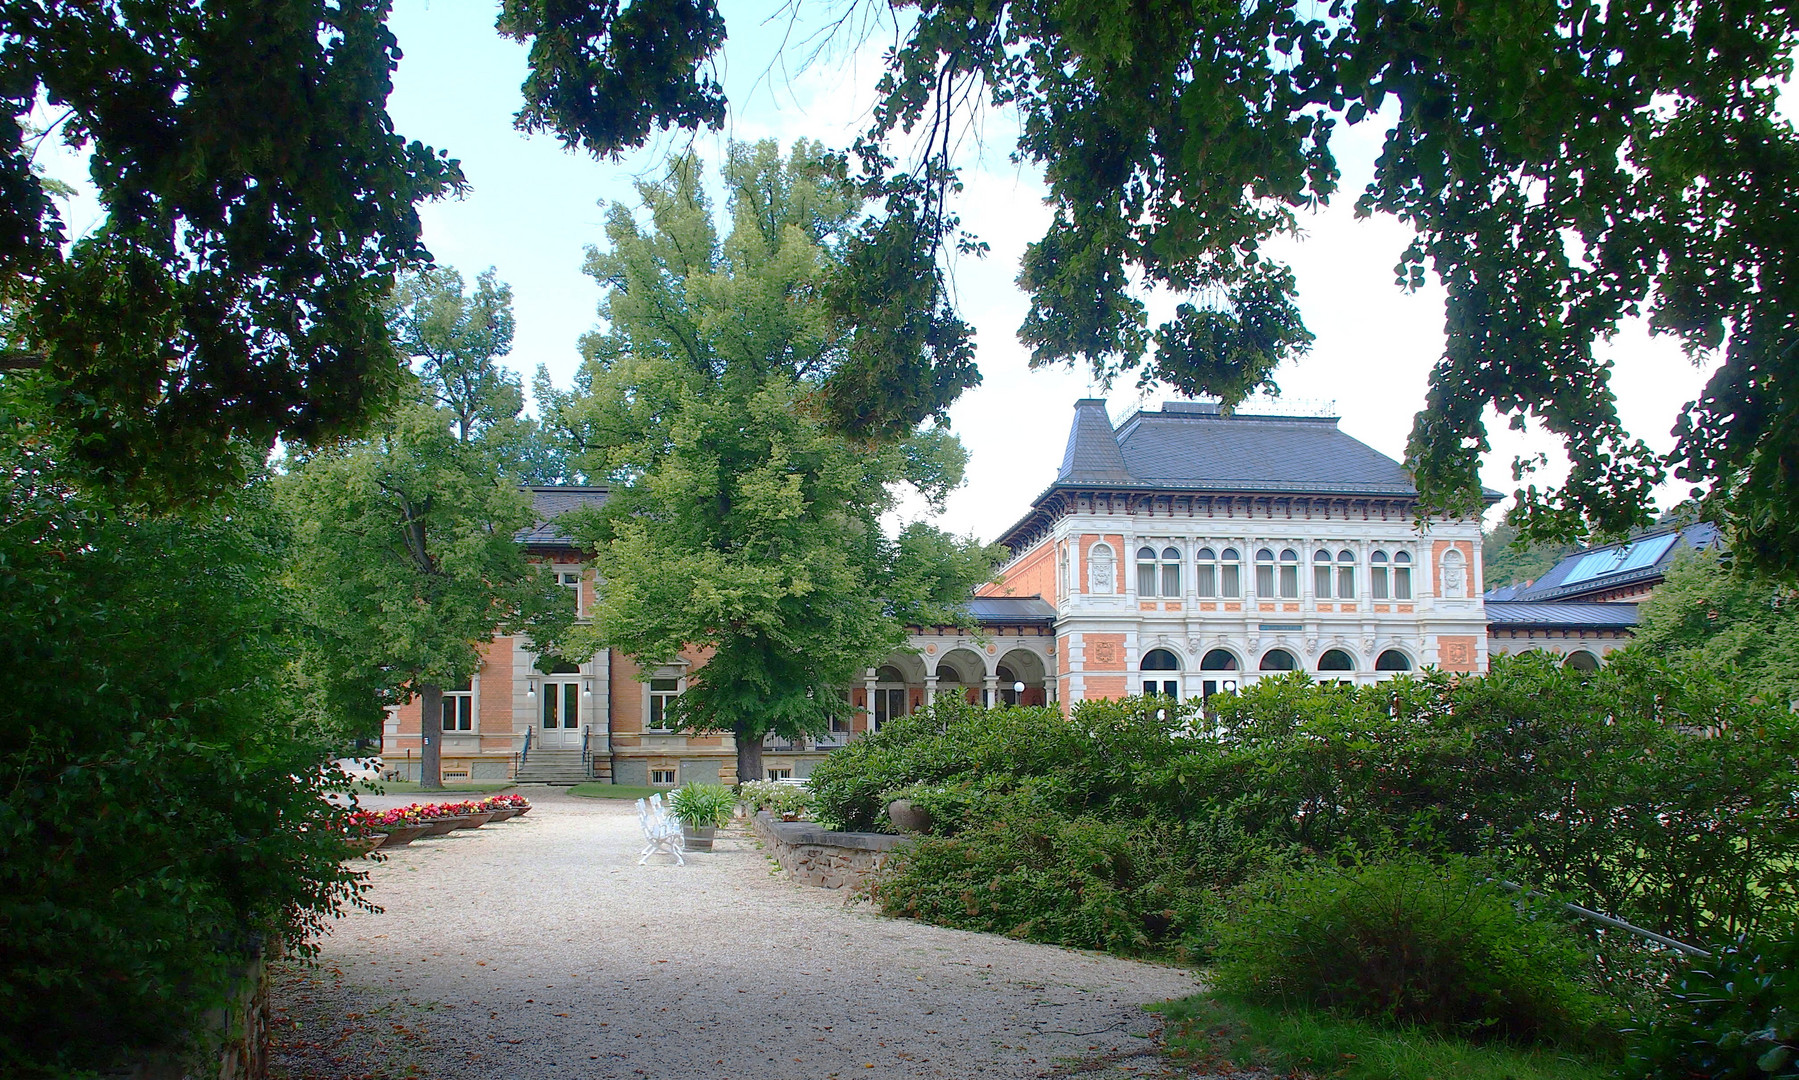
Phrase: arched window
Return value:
(1582, 660)
(1161, 578)
(1336, 660)
(1161, 660)
(1230, 574)
(1218, 660)
(1393, 660)
(1265, 573)
(1379, 576)
(889, 674)
(1346, 575)
(1205, 574)
(1146, 571)
(1289, 574)
(1402, 576)
(1279, 660)
(947, 674)
(1321, 574)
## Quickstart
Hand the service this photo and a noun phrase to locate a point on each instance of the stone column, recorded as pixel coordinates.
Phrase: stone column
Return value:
(868, 702)
(990, 692)
(930, 690)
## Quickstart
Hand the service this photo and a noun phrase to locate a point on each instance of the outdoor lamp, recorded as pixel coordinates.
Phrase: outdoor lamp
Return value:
(1018, 688)
(1230, 686)
(586, 688)
(530, 687)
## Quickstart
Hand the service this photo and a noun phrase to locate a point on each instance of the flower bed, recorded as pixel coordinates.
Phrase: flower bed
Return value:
(404, 824)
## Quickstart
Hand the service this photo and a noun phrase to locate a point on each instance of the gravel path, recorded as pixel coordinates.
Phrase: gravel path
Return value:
(539, 948)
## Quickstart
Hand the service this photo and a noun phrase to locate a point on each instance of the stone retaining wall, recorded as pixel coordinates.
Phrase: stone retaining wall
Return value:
(830, 860)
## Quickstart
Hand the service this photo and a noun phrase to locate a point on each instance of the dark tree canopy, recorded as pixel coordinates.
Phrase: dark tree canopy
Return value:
(1565, 167)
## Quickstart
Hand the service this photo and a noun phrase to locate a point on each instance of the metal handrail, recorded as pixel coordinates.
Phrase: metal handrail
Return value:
(1616, 924)
(586, 753)
(525, 754)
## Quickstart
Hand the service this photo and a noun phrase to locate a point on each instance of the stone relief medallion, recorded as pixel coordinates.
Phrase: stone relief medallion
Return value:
(1105, 652)
(1367, 644)
(1195, 644)
(930, 650)
(991, 649)
(1312, 646)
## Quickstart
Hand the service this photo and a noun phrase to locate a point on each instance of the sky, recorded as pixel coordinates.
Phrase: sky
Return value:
(533, 208)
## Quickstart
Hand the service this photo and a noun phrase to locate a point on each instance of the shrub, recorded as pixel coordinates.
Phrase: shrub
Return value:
(760, 795)
(1407, 940)
(1733, 1017)
(1133, 887)
(702, 806)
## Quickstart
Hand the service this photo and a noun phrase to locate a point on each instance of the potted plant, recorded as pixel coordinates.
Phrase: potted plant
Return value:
(701, 809)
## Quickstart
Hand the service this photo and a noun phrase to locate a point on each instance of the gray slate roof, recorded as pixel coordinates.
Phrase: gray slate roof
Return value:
(1513, 615)
(1191, 446)
(1639, 560)
(1011, 610)
(551, 502)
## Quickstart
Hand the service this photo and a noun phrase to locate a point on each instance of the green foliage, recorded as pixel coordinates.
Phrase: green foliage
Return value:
(1710, 614)
(258, 203)
(1408, 940)
(739, 521)
(162, 813)
(1207, 1030)
(1126, 886)
(1732, 1017)
(1655, 792)
(702, 806)
(405, 557)
(1503, 562)
(760, 795)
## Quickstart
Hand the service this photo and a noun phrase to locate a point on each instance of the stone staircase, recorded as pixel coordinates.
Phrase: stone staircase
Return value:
(552, 766)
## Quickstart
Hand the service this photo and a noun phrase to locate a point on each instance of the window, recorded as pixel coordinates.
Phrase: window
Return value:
(1158, 577)
(1321, 574)
(459, 707)
(662, 693)
(780, 774)
(1161, 660)
(571, 579)
(1289, 574)
(1230, 574)
(1393, 660)
(1265, 573)
(1279, 660)
(1205, 576)
(1146, 571)
(1336, 660)
(1378, 572)
(1346, 575)
(1333, 576)
(1218, 660)
(662, 777)
(890, 693)
(1402, 576)
(1581, 660)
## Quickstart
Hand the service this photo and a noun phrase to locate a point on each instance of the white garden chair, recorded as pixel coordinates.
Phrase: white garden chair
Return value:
(659, 828)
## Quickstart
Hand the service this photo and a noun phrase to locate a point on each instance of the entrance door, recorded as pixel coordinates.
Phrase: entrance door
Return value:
(560, 725)
(889, 703)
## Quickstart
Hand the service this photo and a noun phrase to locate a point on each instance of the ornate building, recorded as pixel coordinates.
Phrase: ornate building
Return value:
(1185, 552)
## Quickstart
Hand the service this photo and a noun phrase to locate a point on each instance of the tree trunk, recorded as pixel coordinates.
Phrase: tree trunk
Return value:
(431, 753)
(749, 755)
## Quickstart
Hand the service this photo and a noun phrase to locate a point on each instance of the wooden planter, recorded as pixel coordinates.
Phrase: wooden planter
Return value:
(506, 814)
(403, 835)
(523, 810)
(362, 845)
(475, 821)
(442, 825)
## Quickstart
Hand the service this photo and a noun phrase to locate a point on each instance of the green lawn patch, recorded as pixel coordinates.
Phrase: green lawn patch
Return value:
(597, 790)
(1202, 1029)
(409, 787)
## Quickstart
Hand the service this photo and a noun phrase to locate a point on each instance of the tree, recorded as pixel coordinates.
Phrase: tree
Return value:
(742, 524)
(1565, 167)
(259, 205)
(406, 557)
(163, 814)
(1505, 562)
(1710, 613)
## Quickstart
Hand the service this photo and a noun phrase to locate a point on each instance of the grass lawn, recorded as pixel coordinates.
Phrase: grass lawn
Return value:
(408, 787)
(597, 790)
(1205, 1029)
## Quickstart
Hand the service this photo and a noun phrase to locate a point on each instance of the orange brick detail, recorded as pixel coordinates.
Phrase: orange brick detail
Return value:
(1102, 652)
(1103, 686)
(1456, 652)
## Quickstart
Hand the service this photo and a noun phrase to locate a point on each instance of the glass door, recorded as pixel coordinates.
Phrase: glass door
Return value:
(561, 723)
(890, 701)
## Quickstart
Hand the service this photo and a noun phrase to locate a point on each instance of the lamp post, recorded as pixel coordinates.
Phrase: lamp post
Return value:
(1018, 693)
